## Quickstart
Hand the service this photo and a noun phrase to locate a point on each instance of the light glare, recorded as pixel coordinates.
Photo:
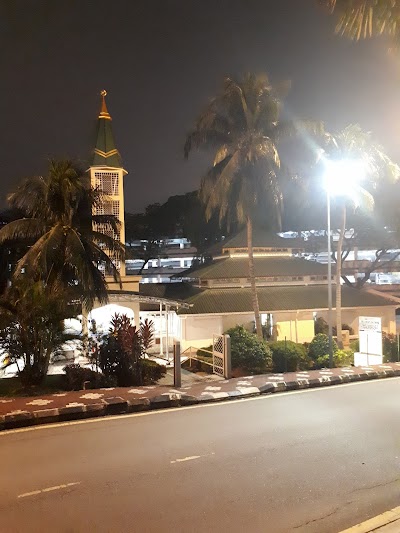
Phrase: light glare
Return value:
(341, 177)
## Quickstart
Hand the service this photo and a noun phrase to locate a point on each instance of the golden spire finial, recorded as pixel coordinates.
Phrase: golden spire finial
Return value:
(104, 111)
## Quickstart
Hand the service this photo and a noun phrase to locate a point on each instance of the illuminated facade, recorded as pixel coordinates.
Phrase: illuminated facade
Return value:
(107, 175)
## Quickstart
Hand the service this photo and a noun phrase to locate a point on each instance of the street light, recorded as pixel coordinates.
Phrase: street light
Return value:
(341, 179)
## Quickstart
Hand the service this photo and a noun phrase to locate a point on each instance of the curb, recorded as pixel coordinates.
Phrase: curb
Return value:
(389, 518)
(115, 405)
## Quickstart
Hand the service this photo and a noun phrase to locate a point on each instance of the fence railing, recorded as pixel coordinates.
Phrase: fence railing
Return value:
(191, 354)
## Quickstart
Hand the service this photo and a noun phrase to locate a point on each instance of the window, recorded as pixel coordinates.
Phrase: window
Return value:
(107, 182)
(108, 208)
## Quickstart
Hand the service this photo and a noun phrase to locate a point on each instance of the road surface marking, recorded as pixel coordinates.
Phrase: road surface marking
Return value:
(48, 489)
(196, 406)
(377, 522)
(190, 458)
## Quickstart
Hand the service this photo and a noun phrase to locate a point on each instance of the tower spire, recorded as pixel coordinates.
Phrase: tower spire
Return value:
(104, 111)
(105, 152)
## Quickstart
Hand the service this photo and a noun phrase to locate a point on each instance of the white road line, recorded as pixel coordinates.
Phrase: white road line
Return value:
(159, 412)
(190, 458)
(48, 489)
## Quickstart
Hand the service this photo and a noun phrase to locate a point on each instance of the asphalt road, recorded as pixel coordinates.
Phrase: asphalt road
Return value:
(314, 461)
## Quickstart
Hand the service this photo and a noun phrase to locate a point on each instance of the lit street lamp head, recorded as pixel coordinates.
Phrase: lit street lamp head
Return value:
(343, 176)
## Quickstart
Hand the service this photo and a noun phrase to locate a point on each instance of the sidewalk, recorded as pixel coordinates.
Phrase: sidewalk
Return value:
(26, 411)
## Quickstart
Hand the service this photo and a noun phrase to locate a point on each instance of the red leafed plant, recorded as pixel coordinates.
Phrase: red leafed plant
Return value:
(123, 349)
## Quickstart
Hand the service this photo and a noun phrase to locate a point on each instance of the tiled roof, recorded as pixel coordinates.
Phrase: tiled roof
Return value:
(238, 267)
(262, 239)
(169, 291)
(237, 300)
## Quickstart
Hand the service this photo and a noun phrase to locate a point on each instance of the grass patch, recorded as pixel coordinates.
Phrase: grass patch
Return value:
(12, 387)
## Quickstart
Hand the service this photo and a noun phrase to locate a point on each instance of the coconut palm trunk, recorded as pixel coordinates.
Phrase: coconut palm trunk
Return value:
(254, 296)
(339, 277)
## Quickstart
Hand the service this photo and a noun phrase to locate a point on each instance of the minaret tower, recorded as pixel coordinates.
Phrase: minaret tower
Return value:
(107, 174)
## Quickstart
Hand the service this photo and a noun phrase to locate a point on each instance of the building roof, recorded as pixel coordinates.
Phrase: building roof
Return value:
(167, 291)
(238, 267)
(292, 298)
(105, 152)
(262, 239)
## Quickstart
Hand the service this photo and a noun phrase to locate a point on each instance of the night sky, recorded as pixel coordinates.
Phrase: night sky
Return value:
(160, 61)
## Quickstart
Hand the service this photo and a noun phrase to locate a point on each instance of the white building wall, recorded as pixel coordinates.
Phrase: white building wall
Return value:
(350, 317)
(197, 331)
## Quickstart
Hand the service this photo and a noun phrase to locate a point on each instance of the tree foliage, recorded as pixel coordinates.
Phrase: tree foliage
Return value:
(242, 126)
(69, 247)
(361, 19)
(32, 327)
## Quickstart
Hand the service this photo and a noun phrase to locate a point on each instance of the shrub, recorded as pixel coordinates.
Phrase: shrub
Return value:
(203, 352)
(288, 356)
(321, 326)
(340, 358)
(249, 352)
(152, 371)
(390, 348)
(121, 352)
(344, 327)
(199, 364)
(76, 376)
(355, 345)
(319, 346)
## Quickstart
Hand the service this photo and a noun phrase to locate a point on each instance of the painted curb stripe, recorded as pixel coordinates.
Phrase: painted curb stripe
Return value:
(179, 400)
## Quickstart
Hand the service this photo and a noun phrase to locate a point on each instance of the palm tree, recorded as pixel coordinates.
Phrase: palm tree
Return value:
(32, 326)
(242, 127)
(360, 19)
(354, 144)
(68, 247)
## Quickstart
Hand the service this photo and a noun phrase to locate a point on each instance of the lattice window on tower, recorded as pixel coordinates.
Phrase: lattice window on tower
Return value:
(108, 182)
(106, 229)
(108, 208)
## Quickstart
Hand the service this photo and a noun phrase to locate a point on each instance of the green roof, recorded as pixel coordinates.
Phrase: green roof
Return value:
(262, 239)
(105, 152)
(168, 291)
(313, 297)
(238, 267)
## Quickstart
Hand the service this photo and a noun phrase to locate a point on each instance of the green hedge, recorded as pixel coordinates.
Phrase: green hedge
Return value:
(289, 356)
(249, 353)
(319, 346)
(340, 358)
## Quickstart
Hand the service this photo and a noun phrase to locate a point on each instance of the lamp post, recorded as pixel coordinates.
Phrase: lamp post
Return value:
(341, 179)
(328, 210)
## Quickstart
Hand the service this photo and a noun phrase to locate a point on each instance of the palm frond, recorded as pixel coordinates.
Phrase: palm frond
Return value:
(25, 229)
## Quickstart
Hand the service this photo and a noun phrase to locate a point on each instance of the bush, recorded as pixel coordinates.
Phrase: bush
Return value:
(355, 345)
(199, 364)
(390, 348)
(340, 358)
(344, 327)
(288, 356)
(203, 352)
(321, 326)
(121, 352)
(319, 346)
(76, 375)
(152, 371)
(249, 352)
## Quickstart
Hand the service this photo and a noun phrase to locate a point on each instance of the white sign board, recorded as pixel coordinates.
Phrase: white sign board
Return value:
(370, 331)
